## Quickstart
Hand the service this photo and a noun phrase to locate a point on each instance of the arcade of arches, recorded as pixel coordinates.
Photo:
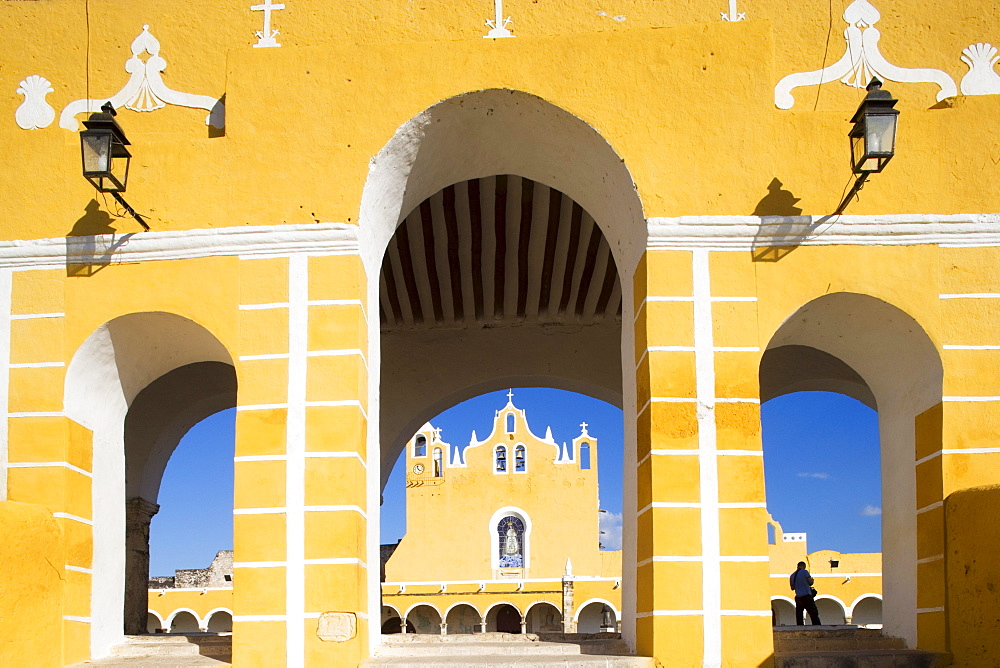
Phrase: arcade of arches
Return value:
(399, 215)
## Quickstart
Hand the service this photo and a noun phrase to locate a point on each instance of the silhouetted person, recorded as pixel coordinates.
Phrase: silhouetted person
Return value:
(805, 596)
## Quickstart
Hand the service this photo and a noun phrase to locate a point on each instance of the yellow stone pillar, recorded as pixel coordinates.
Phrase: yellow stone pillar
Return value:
(300, 512)
(49, 456)
(701, 543)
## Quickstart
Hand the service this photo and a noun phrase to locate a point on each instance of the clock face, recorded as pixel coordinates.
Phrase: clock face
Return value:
(418, 468)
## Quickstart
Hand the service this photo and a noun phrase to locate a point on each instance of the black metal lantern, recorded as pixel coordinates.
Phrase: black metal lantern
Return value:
(873, 137)
(105, 158)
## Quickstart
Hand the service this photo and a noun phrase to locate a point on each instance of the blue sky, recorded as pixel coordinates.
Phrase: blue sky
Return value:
(821, 461)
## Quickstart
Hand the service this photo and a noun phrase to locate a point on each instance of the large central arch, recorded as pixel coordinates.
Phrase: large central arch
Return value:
(485, 134)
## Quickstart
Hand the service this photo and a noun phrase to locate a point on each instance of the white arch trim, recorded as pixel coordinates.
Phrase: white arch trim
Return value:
(455, 605)
(158, 618)
(783, 598)
(422, 605)
(208, 615)
(576, 615)
(393, 608)
(495, 538)
(854, 604)
(173, 615)
(831, 597)
(499, 603)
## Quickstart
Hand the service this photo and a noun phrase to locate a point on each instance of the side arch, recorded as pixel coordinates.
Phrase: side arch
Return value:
(108, 376)
(869, 349)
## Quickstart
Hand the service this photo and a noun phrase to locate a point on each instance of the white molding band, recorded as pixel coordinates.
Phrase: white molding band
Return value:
(259, 618)
(683, 232)
(35, 365)
(930, 506)
(74, 618)
(34, 316)
(749, 232)
(924, 611)
(36, 414)
(263, 307)
(247, 243)
(65, 465)
(337, 561)
(833, 575)
(74, 518)
(974, 399)
(927, 560)
(964, 347)
(957, 451)
(335, 509)
(259, 511)
(971, 295)
(79, 569)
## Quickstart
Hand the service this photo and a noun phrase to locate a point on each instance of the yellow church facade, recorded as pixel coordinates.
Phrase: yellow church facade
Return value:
(362, 213)
(502, 534)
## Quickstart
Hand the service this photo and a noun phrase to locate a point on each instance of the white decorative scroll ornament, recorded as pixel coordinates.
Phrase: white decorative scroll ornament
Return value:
(981, 79)
(733, 14)
(861, 62)
(498, 26)
(34, 113)
(145, 90)
(266, 36)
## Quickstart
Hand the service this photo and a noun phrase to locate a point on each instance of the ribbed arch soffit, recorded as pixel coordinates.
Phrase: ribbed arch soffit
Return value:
(495, 250)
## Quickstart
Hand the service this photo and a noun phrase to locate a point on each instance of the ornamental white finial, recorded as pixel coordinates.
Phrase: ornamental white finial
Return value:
(499, 24)
(266, 36)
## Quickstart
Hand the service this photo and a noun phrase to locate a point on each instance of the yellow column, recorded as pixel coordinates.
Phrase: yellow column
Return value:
(259, 521)
(956, 445)
(300, 516)
(744, 569)
(702, 547)
(49, 456)
(334, 470)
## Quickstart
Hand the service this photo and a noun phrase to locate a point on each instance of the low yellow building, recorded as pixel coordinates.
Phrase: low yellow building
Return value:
(502, 535)
(848, 585)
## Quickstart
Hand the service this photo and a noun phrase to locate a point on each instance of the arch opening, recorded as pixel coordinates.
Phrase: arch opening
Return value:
(544, 617)
(463, 618)
(872, 351)
(470, 216)
(503, 618)
(138, 399)
(425, 620)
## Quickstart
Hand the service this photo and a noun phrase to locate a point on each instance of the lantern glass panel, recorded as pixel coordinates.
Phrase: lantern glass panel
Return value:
(96, 148)
(880, 134)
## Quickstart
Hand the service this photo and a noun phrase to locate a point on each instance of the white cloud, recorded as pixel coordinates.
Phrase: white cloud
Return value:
(610, 525)
(821, 476)
(871, 511)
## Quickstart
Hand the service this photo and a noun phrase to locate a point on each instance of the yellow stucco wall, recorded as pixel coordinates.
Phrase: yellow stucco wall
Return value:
(32, 590)
(687, 103)
(971, 575)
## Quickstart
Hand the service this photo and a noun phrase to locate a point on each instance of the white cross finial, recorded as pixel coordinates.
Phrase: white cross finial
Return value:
(583, 427)
(510, 395)
(266, 36)
(499, 24)
(733, 14)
